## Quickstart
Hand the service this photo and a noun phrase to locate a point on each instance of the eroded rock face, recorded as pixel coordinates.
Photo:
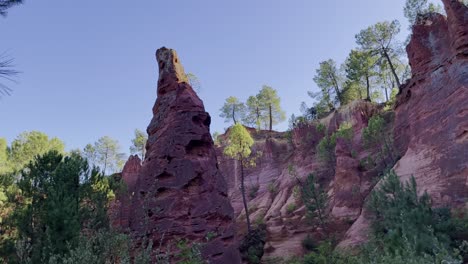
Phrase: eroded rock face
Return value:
(431, 115)
(432, 111)
(121, 208)
(180, 192)
(277, 201)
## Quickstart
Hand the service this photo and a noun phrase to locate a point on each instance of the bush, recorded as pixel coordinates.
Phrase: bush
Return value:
(376, 135)
(290, 208)
(326, 149)
(321, 128)
(253, 190)
(272, 188)
(315, 199)
(325, 254)
(251, 247)
(308, 243)
(401, 221)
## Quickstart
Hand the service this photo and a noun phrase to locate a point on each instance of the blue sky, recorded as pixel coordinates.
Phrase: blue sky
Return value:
(88, 67)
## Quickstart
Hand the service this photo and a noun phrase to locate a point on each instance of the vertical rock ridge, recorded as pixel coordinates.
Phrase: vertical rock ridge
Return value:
(180, 194)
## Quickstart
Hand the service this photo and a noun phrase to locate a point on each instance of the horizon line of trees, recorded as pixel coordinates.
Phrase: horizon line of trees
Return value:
(262, 110)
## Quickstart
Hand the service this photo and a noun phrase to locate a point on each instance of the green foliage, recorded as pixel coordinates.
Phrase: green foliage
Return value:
(255, 115)
(189, 254)
(139, 143)
(269, 101)
(106, 154)
(405, 227)
(290, 208)
(210, 235)
(415, 8)
(380, 40)
(253, 190)
(324, 254)
(326, 149)
(50, 217)
(329, 79)
(315, 200)
(232, 109)
(375, 135)
(321, 128)
(194, 82)
(103, 246)
(272, 188)
(4, 164)
(239, 147)
(216, 139)
(240, 143)
(360, 68)
(58, 197)
(251, 247)
(345, 131)
(28, 145)
(308, 243)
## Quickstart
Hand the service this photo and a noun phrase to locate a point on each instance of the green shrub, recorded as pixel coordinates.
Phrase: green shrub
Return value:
(290, 208)
(326, 149)
(308, 243)
(253, 190)
(321, 128)
(210, 235)
(315, 200)
(272, 188)
(189, 254)
(377, 135)
(251, 247)
(403, 221)
(324, 254)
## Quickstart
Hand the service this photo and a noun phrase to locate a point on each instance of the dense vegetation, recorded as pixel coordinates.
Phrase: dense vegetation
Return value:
(54, 204)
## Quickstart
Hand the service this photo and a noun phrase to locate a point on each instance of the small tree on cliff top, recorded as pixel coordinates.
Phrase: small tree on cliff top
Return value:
(270, 103)
(232, 109)
(380, 39)
(239, 148)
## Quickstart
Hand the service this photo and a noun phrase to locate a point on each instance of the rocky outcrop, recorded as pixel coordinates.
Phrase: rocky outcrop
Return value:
(179, 192)
(431, 113)
(121, 207)
(272, 186)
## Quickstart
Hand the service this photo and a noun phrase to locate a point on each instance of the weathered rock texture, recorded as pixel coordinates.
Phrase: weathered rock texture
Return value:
(431, 115)
(179, 193)
(430, 129)
(277, 204)
(120, 208)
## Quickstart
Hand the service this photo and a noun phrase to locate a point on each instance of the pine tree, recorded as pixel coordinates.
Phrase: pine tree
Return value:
(239, 148)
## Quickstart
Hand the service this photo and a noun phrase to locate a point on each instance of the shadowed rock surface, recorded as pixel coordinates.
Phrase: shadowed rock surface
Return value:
(431, 115)
(179, 193)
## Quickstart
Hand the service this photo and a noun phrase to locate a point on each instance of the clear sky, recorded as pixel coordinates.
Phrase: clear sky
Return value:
(89, 70)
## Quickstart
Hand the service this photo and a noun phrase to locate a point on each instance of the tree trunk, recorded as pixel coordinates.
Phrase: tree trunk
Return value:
(386, 94)
(368, 88)
(105, 162)
(233, 115)
(271, 117)
(257, 110)
(392, 68)
(243, 195)
(337, 89)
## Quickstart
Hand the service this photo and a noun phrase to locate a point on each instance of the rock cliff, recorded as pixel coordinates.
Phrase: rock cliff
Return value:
(429, 127)
(431, 113)
(179, 194)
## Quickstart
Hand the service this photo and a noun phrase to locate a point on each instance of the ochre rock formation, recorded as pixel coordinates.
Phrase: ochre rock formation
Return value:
(120, 208)
(179, 193)
(431, 114)
(277, 202)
